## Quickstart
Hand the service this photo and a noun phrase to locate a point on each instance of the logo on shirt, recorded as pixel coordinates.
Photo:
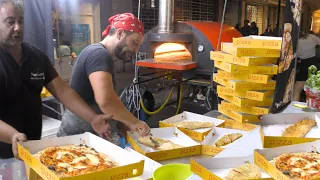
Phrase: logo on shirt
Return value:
(36, 75)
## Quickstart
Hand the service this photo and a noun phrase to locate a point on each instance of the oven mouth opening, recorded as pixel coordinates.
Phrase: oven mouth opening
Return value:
(172, 52)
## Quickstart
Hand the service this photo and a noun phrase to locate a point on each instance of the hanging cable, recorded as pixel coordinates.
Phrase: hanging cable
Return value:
(210, 88)
(180, 99)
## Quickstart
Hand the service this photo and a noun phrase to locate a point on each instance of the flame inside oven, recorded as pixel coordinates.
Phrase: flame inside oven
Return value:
(172, 52)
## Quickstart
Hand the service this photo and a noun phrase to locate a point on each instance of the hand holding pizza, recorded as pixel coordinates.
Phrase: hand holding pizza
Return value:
(141, 128)
(100, 124)
(17, 138)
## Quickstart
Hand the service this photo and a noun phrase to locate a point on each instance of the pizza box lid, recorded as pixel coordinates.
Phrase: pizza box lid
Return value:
(263, 156)
(130, 165)
(218, 168)
(208, 144)
(258, 42)
(197, 134)
(273, 125)
(173, 134)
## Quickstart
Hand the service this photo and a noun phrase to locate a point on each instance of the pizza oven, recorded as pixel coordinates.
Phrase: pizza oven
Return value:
(186, 45)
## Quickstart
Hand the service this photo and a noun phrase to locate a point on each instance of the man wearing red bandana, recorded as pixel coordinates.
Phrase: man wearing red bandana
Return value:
(93, 76)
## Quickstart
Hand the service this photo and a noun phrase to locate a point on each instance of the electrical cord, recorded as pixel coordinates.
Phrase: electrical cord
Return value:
(211, 87)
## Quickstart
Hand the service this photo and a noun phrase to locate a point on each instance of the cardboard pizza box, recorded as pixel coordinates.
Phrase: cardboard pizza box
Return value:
(218, 168)
(232, 124)
(262, 157)
(208, 144)
(262, 42)
(245, 51)
(240, 117)
(243, 61)
(129, 164)
(254, 110)
(149, 166)
(171, 133)
(241, 102)
(242, 86)
(198, 134)
(252, 95)
(273, 125)
(244, 146)
(270, 69)
(252, 78)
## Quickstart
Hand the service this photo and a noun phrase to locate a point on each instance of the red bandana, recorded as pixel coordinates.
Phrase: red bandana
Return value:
(126, 21)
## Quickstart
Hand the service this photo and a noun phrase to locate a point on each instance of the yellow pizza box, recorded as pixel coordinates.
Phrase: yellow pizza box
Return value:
(232, 124)
(270, 69)
(218, 168)
(262, 42)
(246, 102)
(240, 117)
(170, 133)
(253, 78)
(130, 165)
(245, 51)
(208, 144)
(252, 95)
(242, 85)
(197, 134)
(248, 110)
(243, 61)
(149, 166)
(262, 157)
(273, 125)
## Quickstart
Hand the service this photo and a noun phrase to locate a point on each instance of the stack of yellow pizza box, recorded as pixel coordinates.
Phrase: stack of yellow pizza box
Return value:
(245, 70)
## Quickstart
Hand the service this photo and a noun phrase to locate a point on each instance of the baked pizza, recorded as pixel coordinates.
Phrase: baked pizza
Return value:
(228, 139)
(299, 129)
(158, 143)
(301, 165)
(193, 124)
(73, 160)
(246, 171)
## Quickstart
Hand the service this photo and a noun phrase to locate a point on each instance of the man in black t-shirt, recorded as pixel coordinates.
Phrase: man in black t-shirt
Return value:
(93, 76)
(24, 71)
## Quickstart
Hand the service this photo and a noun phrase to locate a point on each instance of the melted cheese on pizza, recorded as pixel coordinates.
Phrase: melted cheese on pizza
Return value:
(299, 165)
(71, 160)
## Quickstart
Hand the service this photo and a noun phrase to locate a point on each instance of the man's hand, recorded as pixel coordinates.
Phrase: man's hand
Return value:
(100, 124)
(141, 128)
(17, 138)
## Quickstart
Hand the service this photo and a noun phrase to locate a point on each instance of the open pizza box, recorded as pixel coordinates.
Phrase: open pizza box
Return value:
(262, 157)
(244, 146)
(129, 164)
(218, 168)
(173, 134)
(208, 144)
(272, 127)
(198, 134)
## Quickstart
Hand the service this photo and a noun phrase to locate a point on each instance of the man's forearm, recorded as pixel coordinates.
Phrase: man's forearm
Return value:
(6, 132)
(72, 101)
(114, 106)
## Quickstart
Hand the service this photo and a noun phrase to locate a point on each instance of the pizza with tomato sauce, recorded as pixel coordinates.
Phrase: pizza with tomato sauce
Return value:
(74, 160)
(304, 165)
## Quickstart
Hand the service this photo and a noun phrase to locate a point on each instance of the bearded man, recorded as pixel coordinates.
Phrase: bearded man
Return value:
(93, 76)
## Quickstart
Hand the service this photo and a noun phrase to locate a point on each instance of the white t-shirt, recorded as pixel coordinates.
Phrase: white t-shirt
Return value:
(307, 47)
